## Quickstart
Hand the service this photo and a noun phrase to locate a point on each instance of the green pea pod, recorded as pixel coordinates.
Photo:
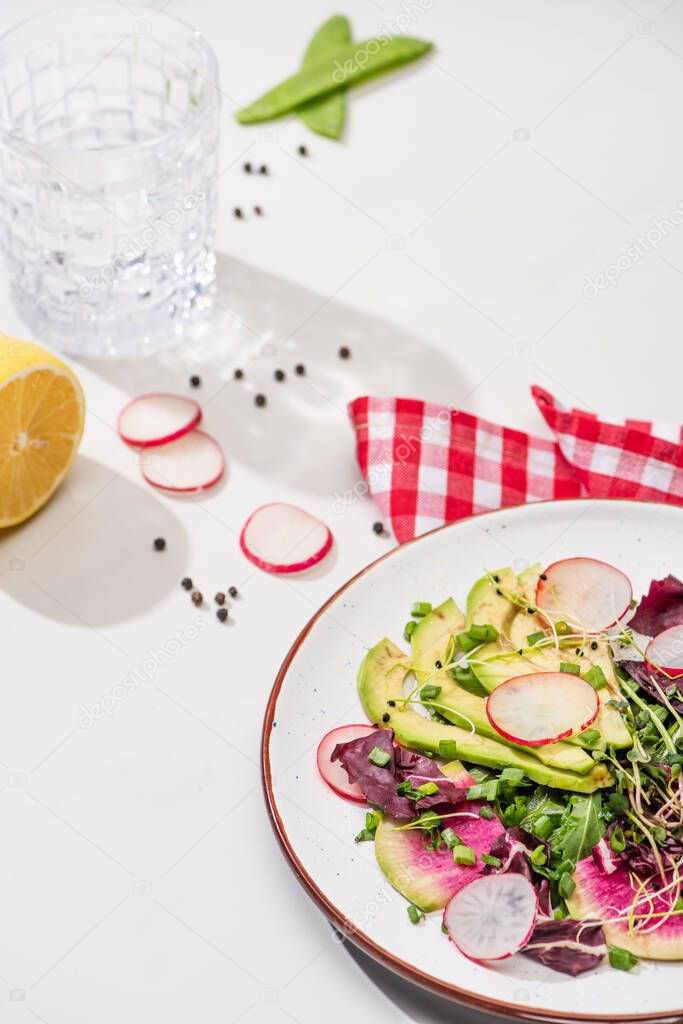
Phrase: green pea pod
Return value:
(326, 115)
(347, 66)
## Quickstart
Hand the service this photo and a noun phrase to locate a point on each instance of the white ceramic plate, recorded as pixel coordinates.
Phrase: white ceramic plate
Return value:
(316, 690)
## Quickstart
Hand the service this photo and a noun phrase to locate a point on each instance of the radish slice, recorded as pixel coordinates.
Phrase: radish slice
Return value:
(492, 916)
(283, 538)
(542, 707)
(665, 652)
(331, 771)
(157, 419)
(588, 594)
(192, 463)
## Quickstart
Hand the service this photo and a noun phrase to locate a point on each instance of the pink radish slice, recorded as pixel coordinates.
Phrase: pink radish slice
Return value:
(192, 463)
(331, 771)
(665, 652)
(156, 419)
(542, 707)
(588, 594)
(283, 538)
(491, 917)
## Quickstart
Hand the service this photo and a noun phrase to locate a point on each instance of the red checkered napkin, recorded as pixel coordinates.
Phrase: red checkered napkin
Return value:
(426, 465)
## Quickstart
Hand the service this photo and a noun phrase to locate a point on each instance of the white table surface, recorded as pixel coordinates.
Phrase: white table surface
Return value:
(446, 241)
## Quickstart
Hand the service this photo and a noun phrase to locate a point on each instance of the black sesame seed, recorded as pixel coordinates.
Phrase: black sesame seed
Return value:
(499, 592)
(437, 664)
(222, 614)
(391, 703)
(300, 369)
(159, 544)
(531, 611)
(496, 579)
(594, 645)
(197, 597)
(186, 583)
(238, 374)
(260, 400)
(344, 352)
(520, 651)
(386, 716)
(302, 151)
(279, 375)
(237, 212)
(543, 576)
(233, 591)
(263, 169)
(219, 598)
(258, 211)
(577, 651)
(246, 167)
(195, 381)
(378, 528)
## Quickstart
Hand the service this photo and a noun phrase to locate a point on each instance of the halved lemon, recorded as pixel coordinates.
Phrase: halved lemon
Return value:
(42, 410)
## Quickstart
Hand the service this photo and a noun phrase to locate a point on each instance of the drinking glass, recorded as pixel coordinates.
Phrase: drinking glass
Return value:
(108, 150)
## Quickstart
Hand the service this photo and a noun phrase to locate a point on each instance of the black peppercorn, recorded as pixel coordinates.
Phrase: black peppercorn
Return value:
(219, 598)
(260, 400)
(258, 211)
(195, 381)
(378, 528)
(344, 352)
(300, 369)
(238, 374)
(302, 151)
(186, 583)
(246, 167)
(263, 169)
(233, 591)
(279, 375)
(222, 614)
(159, 544)
(237, 212)
(197, 597)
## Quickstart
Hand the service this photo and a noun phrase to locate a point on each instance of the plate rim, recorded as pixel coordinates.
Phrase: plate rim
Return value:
(455, 993)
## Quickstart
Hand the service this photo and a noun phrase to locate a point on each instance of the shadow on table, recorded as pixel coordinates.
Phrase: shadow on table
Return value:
(264, 323)
(414, 1002)
(87, 558)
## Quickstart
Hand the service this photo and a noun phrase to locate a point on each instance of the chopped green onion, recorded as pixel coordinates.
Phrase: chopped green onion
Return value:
(596, 677)
(465, 677)
(427, 789)
(617, 841)
(566, 886)
(448, 748)
(428, 819)
(415, 914)
(450, 838)
(467, 643)
(494, 862)
(543, 826)
(379, 757)
(492, 789)
(464, 855)
(539, 856)
(479, 633)
(512, 775)
(420, 609)
(430, 692)
(533, 638)
(409, 629)
(568, 666)
(621, 959)
(477, 792)
(486, 812)
(589, 737)
(406, 789)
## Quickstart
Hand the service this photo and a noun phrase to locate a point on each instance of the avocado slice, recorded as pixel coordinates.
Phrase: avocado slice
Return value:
(380, 679)
(486, 605)
(429, 641)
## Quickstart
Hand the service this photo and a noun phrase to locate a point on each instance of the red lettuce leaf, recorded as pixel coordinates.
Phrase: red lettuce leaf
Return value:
(646, 677)
(379, 784)
(571, 947)
(661, 608)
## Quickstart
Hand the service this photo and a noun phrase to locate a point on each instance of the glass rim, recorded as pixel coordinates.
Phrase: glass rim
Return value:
(39, 150)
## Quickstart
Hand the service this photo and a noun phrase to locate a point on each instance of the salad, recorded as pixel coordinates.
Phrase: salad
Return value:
(521, 768)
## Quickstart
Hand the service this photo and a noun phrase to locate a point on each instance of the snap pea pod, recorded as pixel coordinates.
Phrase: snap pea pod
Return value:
(326, 115)
(349, 65)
